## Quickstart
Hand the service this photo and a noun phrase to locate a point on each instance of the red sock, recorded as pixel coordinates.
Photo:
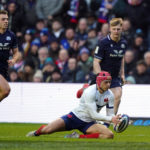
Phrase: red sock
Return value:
(38, 132)
(94, 135)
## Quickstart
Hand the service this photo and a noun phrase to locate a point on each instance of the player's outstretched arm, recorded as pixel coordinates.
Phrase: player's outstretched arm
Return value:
(91, 107)
(116, 119)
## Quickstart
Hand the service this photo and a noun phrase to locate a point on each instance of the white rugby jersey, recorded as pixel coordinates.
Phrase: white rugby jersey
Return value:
(91, 103)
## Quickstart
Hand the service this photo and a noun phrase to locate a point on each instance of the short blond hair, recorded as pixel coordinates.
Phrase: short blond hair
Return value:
(3, 12)
(116, 21)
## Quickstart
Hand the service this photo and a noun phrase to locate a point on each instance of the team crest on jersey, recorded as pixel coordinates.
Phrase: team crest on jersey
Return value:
(106, 100)
(123, 46)
(8, 38)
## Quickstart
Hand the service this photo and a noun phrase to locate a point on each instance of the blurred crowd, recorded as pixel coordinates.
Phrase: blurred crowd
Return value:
(56, 38)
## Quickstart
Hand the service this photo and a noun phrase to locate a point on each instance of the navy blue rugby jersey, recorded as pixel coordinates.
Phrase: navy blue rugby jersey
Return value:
(8, 41)
(111, 53)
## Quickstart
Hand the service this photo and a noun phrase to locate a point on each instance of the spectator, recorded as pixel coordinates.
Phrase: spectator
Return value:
(44, 37)
(74, 50)
(54, 50)
(48, 9)
(73, 10)
(138, 47)
(81, 33)
(42, 56)
(32, 57)
(73, 73)
(57, 32)
(104, 31)
(91, 21)
(39, 25)
(16, 23)
(129, 62)
(91, 40)
(147, 60)
(62, 60)
(140, 74)
(85, 61)
(135, 11)
(56, 76)
(27, 74)
(27, 41)
(107, 9)
(30, 13)
(48, 69)
(130, 80)
(127, 32)
(38, 76)
(68, 41)
(13, 76)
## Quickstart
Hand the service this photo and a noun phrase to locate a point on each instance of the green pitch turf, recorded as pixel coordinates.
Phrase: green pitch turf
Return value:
(12, 137)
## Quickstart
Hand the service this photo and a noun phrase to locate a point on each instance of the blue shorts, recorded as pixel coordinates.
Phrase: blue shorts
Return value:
(72, 122)
(115, 82)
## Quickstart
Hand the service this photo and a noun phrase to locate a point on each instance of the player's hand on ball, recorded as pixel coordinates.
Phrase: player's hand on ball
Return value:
(116, 119)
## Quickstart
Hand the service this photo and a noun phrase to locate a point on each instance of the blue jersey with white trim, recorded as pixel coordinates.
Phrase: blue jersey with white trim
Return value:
(8, 41)
(111, 53)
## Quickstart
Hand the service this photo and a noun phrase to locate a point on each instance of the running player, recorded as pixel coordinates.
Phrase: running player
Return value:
(109, 56)
(85, 115)
(8, 42)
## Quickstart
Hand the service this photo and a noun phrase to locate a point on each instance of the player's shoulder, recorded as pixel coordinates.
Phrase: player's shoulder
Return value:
(10, 33)
(104, 41)
(123, 40)
(91, 90)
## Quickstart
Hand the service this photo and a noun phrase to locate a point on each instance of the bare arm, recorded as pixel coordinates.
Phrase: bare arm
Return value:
(96, 65)
(122, 75)
(16, 56)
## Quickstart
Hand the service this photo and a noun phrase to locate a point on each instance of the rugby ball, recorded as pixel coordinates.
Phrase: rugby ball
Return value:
(123, 124)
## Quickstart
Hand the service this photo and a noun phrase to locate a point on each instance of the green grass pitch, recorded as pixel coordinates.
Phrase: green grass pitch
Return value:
(12, 137)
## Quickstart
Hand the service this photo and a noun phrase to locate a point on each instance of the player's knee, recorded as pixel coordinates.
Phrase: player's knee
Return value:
(110, 135)
(6, 92)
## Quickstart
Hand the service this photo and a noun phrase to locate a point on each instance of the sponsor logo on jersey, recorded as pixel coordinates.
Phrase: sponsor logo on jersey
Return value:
(8, 38)
(117, 53)
(4, 46)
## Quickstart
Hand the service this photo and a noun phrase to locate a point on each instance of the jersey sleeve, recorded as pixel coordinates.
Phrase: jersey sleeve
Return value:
(14, 41)
(110, 106)
(99, 51)
(91, 108)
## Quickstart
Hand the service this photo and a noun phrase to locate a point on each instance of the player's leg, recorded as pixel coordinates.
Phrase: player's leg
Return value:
(55, 126)
(117, 91)
(102, 131)
(4, 88)
(94, 131)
